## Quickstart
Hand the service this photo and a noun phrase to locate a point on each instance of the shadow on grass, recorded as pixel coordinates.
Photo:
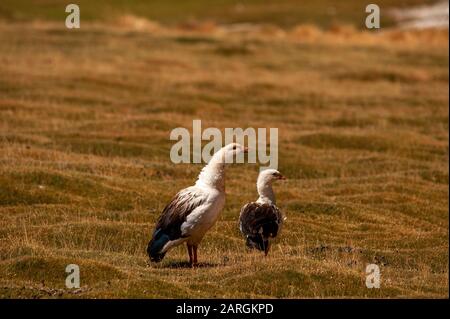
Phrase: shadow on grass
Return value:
(186, 264)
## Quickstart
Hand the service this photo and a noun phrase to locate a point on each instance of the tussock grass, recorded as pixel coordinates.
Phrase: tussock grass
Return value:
(85, 118)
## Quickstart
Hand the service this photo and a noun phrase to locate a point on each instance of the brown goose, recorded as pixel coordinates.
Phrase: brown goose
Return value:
(261, 221)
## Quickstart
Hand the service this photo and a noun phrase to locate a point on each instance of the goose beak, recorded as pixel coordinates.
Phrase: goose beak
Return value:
(282, 178)
(246, 149)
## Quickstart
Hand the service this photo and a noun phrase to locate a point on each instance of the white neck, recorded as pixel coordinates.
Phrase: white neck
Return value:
(265, 191)
(213, 174)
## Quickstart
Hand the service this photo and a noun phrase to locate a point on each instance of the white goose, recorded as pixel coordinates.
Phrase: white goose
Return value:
(193, 210)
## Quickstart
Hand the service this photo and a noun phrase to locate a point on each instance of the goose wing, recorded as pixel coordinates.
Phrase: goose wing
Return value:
(259, 222)
(168, 226)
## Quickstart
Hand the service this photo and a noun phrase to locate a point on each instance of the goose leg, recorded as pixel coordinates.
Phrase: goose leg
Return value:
(195, 255)
(266, 248)
(189, 248)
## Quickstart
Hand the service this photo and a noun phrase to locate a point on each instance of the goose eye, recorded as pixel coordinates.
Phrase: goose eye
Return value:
(234, 147)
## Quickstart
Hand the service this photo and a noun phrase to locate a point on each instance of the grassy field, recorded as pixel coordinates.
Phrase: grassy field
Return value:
(85, 118)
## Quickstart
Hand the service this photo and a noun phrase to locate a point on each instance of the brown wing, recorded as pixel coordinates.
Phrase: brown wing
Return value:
(175, 213)
(168, 226)
(263, 219)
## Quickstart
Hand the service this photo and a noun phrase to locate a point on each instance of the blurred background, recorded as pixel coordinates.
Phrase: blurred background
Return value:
(283, 13)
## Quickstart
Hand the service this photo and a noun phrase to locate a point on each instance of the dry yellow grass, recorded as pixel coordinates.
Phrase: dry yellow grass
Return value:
(85, 118)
